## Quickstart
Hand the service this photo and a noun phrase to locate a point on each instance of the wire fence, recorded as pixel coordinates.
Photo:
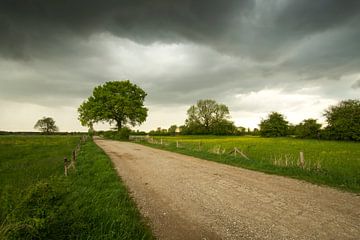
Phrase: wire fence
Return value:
(238, 152)
(71, 163)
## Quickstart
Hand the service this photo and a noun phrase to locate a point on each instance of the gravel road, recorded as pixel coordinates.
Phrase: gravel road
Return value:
(188, 198)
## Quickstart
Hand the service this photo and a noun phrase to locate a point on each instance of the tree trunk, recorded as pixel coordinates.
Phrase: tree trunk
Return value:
(119, 125)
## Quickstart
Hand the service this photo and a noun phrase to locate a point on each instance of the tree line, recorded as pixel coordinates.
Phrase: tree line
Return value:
(122, 103)
(342, 123)
(209, 117)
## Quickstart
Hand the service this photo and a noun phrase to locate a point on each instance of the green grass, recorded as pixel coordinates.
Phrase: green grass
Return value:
(91, 203)
(25, 160)
(330, 163)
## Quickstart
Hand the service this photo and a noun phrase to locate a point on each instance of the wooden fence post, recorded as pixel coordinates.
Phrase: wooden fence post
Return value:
(65, 166)
(74, 158)
(177, 144)
(302, 160)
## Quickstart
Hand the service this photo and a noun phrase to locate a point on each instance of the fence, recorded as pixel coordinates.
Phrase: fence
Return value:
(71, 163)
(282, 160)
(139, 138)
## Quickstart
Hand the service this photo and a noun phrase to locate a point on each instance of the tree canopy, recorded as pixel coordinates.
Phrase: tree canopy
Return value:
(119, 102)
(344, 120)
(274, 126)
(172, 129)
(209, 117)
(308, 128)
(46, 125)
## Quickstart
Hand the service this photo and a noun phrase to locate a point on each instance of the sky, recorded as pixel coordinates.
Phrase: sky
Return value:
(255, 56)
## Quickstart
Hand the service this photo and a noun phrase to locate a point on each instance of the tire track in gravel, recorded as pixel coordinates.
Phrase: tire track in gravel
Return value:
(188, 198)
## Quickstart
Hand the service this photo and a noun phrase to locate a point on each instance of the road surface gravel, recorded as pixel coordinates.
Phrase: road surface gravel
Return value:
(184, 197)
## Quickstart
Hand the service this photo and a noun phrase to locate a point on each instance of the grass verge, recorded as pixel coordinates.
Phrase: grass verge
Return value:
(26, 160)
(340, 167)
(91, 203)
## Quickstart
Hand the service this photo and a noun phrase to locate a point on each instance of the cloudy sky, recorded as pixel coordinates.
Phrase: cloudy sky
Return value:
(255, 56)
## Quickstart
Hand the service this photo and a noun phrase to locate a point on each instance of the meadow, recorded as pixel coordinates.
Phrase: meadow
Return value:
(25, 160)
(38, 202)
(333, 163)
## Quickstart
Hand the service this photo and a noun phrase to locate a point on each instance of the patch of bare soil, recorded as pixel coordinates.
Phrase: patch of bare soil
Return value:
(188, 198)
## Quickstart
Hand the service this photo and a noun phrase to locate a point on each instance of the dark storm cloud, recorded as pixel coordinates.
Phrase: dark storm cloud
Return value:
(309, 16)
(257, 29)
(303, 39)
(274, 28)
(26, 24)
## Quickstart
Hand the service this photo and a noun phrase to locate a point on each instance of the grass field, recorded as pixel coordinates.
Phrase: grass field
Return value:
(25, 160)
(38, 202)
(331, 163)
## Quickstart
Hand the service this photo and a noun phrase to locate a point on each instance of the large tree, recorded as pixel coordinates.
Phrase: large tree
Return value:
(119, 102)
(46, 125)
(274, 126)
(344, 120)
(208, 117)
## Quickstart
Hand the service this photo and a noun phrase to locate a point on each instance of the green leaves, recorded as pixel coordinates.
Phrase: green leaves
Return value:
(46, 125)
(209, 117)
(344, 120)
(308, 128)
(274, 126)
(118, 101)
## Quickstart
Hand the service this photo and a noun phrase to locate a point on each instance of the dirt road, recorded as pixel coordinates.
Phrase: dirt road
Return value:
(188, 198)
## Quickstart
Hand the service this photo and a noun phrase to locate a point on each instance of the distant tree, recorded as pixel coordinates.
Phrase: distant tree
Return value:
(208, 117)
(308, 128)
(274, 126)
(291, 129)
(241, 130)
(118, 101)
(172, 129)
(182, 130)
(46, 125)
(138, 133)
(344, 120)
(159, 132)
(224, 127)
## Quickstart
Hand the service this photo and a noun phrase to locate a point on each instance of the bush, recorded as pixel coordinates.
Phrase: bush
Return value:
(308, 128)
(123, 134)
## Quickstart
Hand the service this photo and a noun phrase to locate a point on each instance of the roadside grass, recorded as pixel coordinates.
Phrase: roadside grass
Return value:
(331, 163)
(90, 203)
(25, 160)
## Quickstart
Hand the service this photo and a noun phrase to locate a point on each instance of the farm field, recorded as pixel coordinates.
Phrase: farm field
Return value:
(38, 202)
(331, 163)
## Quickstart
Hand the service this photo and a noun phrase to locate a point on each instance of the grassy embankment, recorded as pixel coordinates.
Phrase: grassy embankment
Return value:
(38, 202)
(330, 163)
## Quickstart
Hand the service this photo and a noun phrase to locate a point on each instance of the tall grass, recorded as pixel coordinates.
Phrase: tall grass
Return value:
(332, 163)
(90, 203)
